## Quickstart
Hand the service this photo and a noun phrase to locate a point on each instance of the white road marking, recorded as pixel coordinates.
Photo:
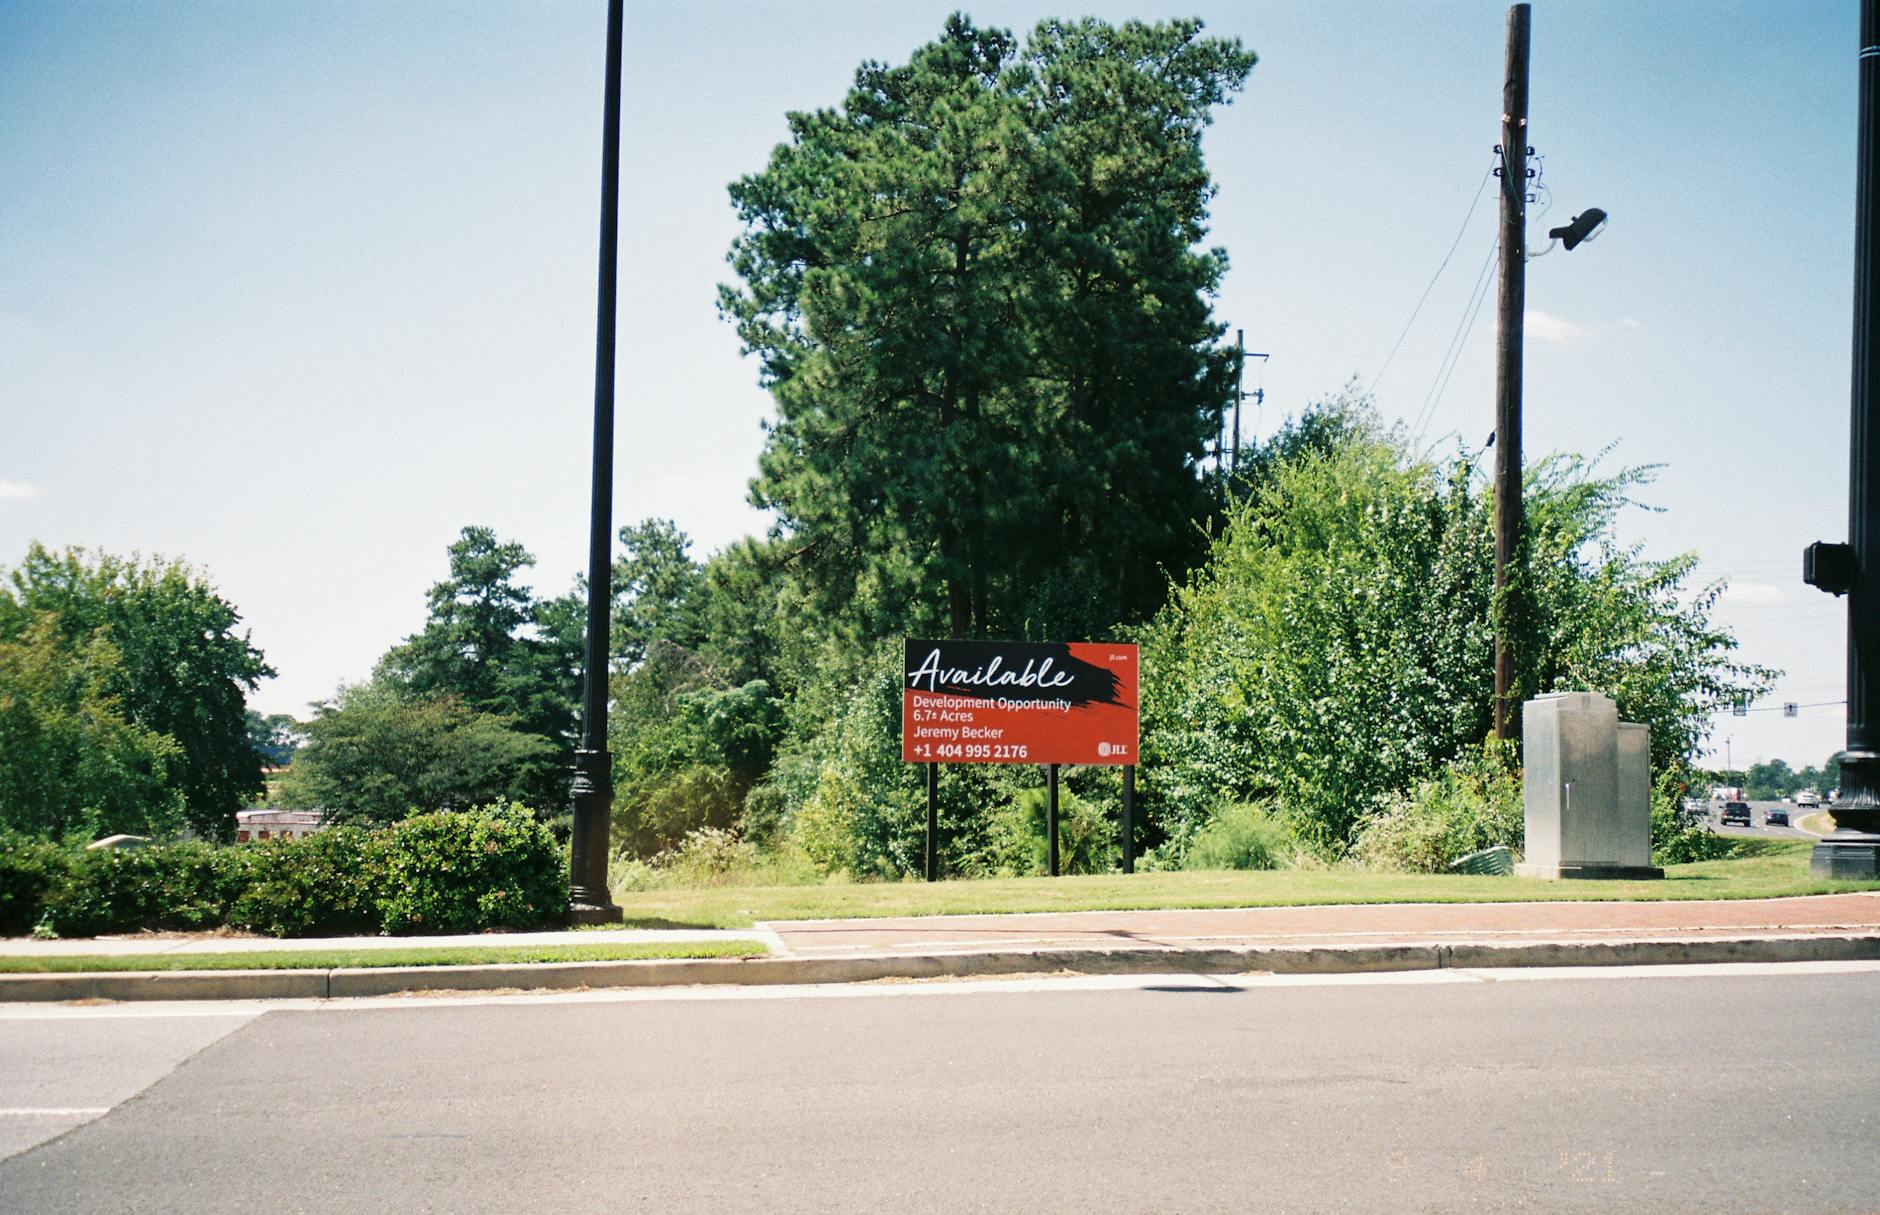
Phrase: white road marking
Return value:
(71, 1112)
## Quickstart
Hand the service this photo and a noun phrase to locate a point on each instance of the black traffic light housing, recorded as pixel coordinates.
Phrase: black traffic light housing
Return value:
(1830, 567)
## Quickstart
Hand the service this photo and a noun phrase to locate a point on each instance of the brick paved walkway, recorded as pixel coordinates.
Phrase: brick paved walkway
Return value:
(1381, 924)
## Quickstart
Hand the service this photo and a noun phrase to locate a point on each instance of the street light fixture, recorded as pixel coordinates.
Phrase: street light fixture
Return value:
(1579, 231)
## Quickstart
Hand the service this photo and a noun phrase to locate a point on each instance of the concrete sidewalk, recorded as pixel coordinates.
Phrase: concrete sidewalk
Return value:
(167, 944)
(1335, 939)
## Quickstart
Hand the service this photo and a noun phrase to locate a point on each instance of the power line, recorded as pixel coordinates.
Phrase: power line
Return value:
(1454, 363)
(1478, 295)
(1479, 190)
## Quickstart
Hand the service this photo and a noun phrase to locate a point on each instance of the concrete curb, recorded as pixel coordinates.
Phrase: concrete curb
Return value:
(1275, 959)
(167, 985)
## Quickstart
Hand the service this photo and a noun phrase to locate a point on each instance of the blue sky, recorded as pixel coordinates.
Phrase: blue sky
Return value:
(296, 291)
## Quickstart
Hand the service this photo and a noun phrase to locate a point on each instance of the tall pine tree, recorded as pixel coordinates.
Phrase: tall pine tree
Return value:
(983, 315)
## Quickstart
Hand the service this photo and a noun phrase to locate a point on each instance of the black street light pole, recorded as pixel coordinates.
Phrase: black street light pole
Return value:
(1853, 569)
(589, 901)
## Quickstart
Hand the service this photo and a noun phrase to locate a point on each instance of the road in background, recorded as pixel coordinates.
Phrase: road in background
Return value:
(1758, 812)
(1451, 1090)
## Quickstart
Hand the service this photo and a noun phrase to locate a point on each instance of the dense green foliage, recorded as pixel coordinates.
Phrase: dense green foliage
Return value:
(186, 887)
(1239, 837)
(324, 884)
(1473, 803)
(982, 315)
(71, 762)
(492, 867)
(1775, 779)
(274, 736)
(122, 687)
(687, 750)
(491, 646)
(466, 872)
(1680, 835)
(1332, 651)
(376, 753)
(1319, 686)
(30, 870)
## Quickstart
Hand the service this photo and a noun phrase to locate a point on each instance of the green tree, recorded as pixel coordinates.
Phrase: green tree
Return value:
(696, 716)
(376, 753)
(1772, 780)
(656, 586)
(687, 749)
(71, 762)
(183, 672)
(1337, 646)
(979, 309)
(274, 737)
(489, 644)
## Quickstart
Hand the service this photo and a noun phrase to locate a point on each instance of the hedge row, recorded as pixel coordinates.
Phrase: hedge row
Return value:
(494, 867)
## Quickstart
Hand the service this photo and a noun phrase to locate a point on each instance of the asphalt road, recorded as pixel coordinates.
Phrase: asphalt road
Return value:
(1452, 1091)
(1758, 827)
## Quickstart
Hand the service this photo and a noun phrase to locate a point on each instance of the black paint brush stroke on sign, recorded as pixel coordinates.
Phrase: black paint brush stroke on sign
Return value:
(1012, 670)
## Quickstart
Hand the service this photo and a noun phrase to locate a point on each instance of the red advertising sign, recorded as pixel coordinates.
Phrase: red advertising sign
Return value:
(1015, 702)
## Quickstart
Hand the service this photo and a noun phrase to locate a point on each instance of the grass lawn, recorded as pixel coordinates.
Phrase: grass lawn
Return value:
(416, 955)
(1762, 869)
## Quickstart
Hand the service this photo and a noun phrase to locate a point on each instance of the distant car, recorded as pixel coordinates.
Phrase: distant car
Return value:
(1807, 797)
(1775, 816)
(1735, 812)
(1693, 806)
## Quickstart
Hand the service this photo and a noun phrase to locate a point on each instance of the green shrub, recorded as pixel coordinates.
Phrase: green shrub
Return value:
(454, 871)
(1243, 836)
(1679, 836)
(1329, 654)
(326, 884)
(828, 824)
(1475, 803)
(656, 813)
(710, 857)
(467, 871)
(687, 750)
(31, 869)
(166, 888)
(1087, 836)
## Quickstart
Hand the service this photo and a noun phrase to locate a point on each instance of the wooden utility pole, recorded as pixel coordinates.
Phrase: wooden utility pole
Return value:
(1510, 552)
(1240, 371)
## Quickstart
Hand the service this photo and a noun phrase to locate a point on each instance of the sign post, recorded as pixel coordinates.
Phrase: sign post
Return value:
(933, 822)
(1015, 702)
(1129, 819)
(1050, 815)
